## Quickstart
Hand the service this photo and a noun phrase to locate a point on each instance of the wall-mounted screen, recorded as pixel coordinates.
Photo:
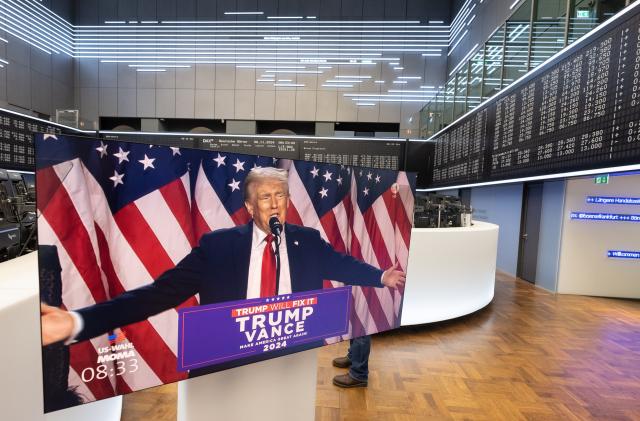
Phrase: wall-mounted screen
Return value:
(580, 111)
(160, 263)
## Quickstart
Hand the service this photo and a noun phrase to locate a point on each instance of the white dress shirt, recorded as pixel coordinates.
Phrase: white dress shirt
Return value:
(258, 244)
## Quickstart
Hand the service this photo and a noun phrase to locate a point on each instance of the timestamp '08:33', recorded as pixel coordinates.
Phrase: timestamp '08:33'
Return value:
(103, 370)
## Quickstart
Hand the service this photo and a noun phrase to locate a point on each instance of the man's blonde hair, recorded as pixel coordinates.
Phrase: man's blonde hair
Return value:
(259, 174)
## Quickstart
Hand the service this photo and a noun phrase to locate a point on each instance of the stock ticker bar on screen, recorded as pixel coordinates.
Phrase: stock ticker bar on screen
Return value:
(581, 111)
(382, 154)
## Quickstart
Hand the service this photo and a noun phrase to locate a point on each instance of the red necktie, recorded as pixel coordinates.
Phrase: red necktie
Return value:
(268, 280)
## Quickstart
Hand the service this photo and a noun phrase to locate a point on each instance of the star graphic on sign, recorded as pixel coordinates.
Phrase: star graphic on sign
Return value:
(275, 160)
(102, 149)
(323, 192)
(377, 178)
(255, 165)
(314, 171)
(175, 151)
(147, 162)
(369, 176)
(239, 165)
(235, 185)
(366, 191)
(360, 173)
(117, 178)
(220, 160)
(122, 155)
(327, 175)
(339, 180)
(49, 136)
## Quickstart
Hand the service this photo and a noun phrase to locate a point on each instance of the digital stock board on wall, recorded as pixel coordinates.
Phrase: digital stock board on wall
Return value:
(359, 152)
(16, 139)
(579, 111)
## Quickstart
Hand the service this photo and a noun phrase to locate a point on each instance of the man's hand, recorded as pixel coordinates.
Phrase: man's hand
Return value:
(57, 325)
(393, 277)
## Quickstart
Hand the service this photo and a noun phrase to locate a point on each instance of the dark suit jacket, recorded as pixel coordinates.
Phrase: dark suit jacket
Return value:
(218, 270)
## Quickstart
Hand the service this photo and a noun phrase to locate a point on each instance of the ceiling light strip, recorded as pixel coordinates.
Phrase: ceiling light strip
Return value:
(177, 66)
(125, 28)
(44, 19)
(399, 22)
(260, 41)
(457, 43)
(289, 85)
(24, 37)
(26, 26)
(352, 77)
(48, 15)
(26, 29)
(334, 85)
(424, 101)
(294, 71)
(151, 50)
(458, 16)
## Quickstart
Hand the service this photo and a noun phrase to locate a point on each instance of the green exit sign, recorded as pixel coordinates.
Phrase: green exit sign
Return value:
(584, 13)
(602, 179)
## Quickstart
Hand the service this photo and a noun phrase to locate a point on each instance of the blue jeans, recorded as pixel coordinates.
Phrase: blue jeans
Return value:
(359, 356)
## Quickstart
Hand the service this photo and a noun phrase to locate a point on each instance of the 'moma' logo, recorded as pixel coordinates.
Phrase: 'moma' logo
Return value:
(116, 356)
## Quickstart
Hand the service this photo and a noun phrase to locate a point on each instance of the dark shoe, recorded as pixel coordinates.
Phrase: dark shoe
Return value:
(345, 380)
(342, 362)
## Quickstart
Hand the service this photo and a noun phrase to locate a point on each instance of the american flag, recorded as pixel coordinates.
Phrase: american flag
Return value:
(122, 213)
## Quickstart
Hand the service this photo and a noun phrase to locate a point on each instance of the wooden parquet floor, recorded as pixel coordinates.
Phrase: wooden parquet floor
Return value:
(530, 355)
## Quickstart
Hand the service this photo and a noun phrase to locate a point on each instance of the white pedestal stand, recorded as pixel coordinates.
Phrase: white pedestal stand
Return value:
(281, 389)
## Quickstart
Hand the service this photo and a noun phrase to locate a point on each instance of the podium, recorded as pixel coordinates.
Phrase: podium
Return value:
(280, 389)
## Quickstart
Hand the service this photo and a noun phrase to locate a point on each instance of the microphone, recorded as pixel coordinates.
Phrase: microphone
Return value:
(275, 226)
(276, 230)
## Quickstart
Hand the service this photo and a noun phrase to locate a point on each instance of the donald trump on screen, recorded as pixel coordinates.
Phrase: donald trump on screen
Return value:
(262, 258)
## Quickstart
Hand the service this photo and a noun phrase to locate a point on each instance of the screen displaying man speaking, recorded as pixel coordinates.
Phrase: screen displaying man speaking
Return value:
(140, 231)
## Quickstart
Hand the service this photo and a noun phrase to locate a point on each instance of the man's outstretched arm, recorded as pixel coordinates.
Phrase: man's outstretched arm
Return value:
(347, 269)
(170, 289)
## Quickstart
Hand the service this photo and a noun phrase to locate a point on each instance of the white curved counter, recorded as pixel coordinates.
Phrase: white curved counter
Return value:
(451, 272)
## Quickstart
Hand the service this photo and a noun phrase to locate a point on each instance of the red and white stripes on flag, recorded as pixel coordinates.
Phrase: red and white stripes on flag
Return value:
(380, 236)
(104, 254)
